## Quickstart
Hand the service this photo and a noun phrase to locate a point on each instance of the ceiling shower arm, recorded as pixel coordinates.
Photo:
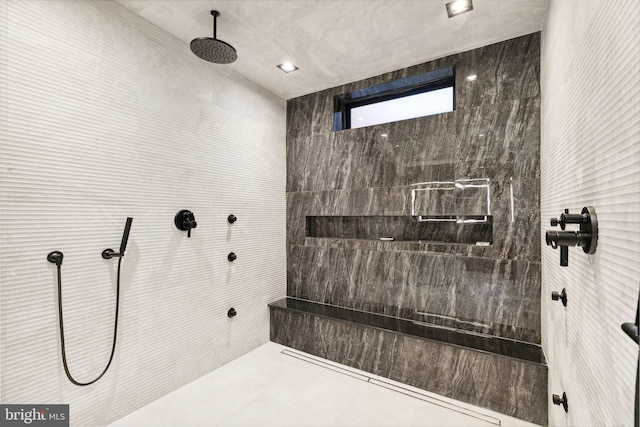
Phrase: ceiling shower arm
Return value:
(215, 14)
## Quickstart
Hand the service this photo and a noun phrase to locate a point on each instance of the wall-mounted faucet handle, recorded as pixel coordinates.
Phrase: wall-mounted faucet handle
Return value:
(185, 221)
(189, 224)
(567, 238)
(561, 222)
(567, 218)
(564, 239)
(586, 237)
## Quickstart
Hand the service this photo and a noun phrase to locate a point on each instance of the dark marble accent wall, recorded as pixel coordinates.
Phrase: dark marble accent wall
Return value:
(493, 133)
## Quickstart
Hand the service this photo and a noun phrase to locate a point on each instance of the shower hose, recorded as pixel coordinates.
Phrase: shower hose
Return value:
(61, 322)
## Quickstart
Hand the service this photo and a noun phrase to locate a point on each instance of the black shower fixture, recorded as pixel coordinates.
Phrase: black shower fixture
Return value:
(110, 253)
(586, 237)
(560, 296)
(185, 221)
(55, 257)
(212, 49)
(557, 400)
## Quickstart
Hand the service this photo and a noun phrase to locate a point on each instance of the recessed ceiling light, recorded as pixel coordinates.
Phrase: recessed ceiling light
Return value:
(472, 77)
(459, 6)
(287, 67)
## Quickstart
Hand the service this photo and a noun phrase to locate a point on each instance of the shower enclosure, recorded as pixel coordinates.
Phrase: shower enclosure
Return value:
(414, 246)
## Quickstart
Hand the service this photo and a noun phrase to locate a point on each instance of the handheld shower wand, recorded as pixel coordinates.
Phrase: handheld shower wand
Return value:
(55, 257)
(110, 253)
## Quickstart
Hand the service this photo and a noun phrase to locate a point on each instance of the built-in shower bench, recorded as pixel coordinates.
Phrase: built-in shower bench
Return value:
(500, 374)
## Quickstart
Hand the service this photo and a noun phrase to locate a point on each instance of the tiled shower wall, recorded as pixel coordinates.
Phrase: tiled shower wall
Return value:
(103, 116)
(493, 133)
(591, 156)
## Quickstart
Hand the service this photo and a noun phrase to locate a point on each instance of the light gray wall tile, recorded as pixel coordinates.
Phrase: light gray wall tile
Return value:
(103, 116)
(591, 157)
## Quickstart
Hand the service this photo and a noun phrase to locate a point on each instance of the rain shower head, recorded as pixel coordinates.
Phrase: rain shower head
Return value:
(212, 49)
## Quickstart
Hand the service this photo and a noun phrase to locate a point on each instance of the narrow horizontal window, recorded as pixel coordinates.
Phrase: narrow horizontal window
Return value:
(408, 107)
(417, 96)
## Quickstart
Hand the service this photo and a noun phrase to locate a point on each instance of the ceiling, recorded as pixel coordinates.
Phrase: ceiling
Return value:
(338, 41)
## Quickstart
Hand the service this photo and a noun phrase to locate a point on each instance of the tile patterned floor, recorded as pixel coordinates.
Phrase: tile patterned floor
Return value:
(278, 386)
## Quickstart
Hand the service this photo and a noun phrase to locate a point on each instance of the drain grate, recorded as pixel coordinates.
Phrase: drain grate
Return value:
(390, 386)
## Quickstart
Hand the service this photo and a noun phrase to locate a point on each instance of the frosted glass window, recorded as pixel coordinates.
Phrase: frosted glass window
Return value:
(410, 97)
(408, 107)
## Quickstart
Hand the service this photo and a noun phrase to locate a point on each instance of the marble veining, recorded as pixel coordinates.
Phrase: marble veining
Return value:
(369, 172)
(511, 385)
(334, 179)
(457, 334)
(498, 297)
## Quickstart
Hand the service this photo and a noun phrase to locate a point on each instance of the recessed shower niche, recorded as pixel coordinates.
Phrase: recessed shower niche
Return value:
(452, 212)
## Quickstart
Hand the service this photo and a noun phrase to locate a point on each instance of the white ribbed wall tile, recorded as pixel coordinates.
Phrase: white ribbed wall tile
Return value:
(103, 116)
(590, 149)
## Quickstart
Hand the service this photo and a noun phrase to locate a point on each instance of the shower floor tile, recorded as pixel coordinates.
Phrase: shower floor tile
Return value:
(277, 386)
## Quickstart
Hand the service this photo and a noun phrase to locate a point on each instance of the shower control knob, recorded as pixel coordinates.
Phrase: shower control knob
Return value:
(231, 312)
(557, 400)
(232, 257)
(231, 219)
(586, 237)
(567, 218)
(185, 221)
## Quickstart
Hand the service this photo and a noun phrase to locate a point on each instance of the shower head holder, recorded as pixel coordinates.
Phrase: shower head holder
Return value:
(110, 253)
